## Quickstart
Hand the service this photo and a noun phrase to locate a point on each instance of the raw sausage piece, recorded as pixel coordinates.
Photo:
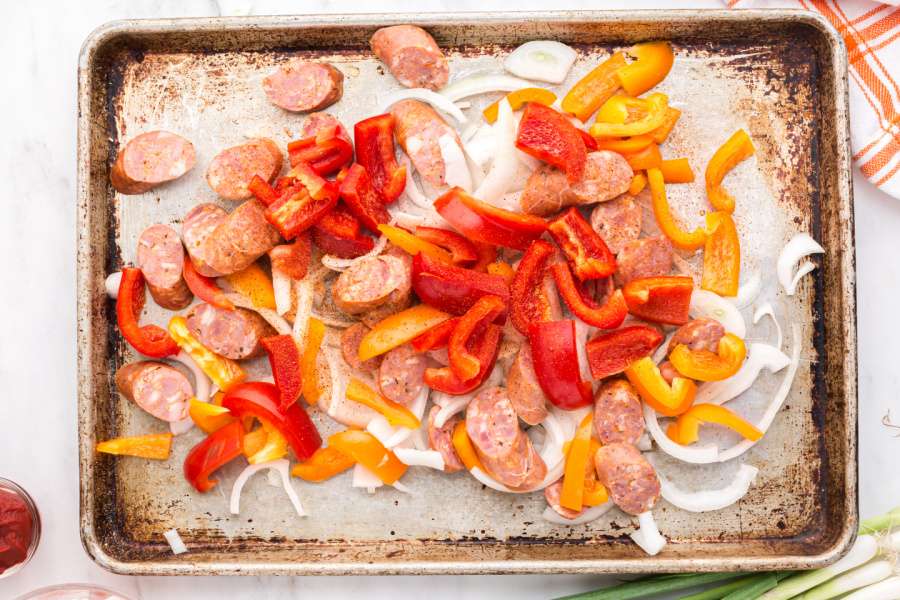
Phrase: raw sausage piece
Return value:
(492, 424)
(401, 375)
(552, 494)
(412, 56)
(646, 257)
(441, 439)
(629, 478)
(233, 334)
(401, 297)
(159, 389)
(544, 192)
(302, 86)
(537, 468)
(368, 283)
(419, 128)
(196, 227)
(317, 121)
(524, 390)
(698, 334)
(618, 416)
(241, 238)
(606, 175)
(350, 339)
(233, 168)
(668, 371)
(160, 257)
(617, 221)
(151, 159)
(517, 468)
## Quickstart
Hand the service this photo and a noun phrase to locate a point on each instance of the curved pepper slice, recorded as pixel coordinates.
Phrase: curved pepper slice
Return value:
(154, 445)
(149, 340)
(661, 133)
(721, 255)
(556, 364)
(677, 170)
(485, 346)
(660, 299)
(482, 222)
(399, 328)
(434, 338)
(551, 137)
(607, 316)
(679, 237)
(207, 416)
(585, 249)
(595, 88)
(462, 251)
(667, 400)
(302, 204)
(263, 192)
(686, 429)
(611, 353)
(704, 365)
(502, 269)
(595, 493)
(653, 107)
(365, 449)
(463, 362)
(454, 289)
(647, 158)
(654, 61)
(395, 413)
(737, 148)
(338, 233)
(362, 199)
(413, 244)
(324, 464)
(572, 493)
(638, 183)
(224, 372)
(518, 98)
(284, 358)
(464, 448)
(627, 145)
(374, 139)
(203, 287)
(326, 152)
(308, 372)
(210, 454)
(530, 300)
(254, 440)
(255, 284)
(274, 446)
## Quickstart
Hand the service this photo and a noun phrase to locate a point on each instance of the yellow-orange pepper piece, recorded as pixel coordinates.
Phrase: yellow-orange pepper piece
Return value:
(685, 430)
(254, 441)
(626, 145)
(667, 400)
(677, 170)
(413, 244)
(154, 445)
(638, 183)
(324, 464)
(395, 413)
(207, 416)
(464, 448)
(314, 335)
(647, 158)
(365, 449)
(680, 238)
(738, 147)
(517, 100)
(224, 372)
(721, 255)
(398, 329)
(595, 88)
(502, 269)
(572, 494)
(253, 283)
(654, 108)
(704, 365)
(275, 446)
(661, 133)
(594, 492)
(653, 62)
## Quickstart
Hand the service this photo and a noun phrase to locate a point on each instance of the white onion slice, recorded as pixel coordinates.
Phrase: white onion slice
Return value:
(660, 354)
(541, 60)
(338, 385)
(420, 458)
(644, 443)
(272, 318)
(647, 536)
(281, 466)
(433, 98)
(391, 436)
(456, 169)
(804, 269)
(112, 282)
(505, 163)
(708, 500)
(202, 391)
(449, 406)
(587, 515)
(748, 291)
(582, 331)
(759, 357)
(709, 304)
(482, 145)
(800, 246)
(764, 310)
(482, 83)
(303, 290)
(412, 190)
(281, 286)
(402, 487)
(175, 542)
(341, 264)
(333, 321)
(364, 478)
(694, 454)
(182, 426)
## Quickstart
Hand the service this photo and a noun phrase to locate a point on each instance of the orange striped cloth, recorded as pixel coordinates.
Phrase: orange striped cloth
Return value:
(871, 31)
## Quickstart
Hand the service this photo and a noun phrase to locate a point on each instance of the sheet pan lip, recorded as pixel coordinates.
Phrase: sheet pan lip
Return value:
(110, 31)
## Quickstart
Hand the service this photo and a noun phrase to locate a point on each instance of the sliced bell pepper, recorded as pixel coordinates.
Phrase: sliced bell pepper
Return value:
(399, 328)
(704, 365)
(435, 338)
(721, 255)
(207, 416)
(283, 183)
(530, 300)
(413, 244)
(149, 340)
(736, 149)
(638, 183)
(587, 252)
(572, 493)
(686, 428)
(595, 88)
(154, 445)
(224, 372)
(485, 346)
(627, 145)
(464, 448)
(653, 62)
(660, 299)
(453, 289)
(609, 315)
(374, 139)
(556, 364)
(518, 99)
(255, 284)
(653, 106)
(669, 401)
(362, 199)
(661, 133)
(551, 137)
(676, 170)
(263, 192)
(274, 447)
(462, 251)
(365, 449)
(645, 158)
(395, 413)
(284, 358)
(324, 464)
(293, 259)
(487, 253)
(214, 451)
(338, 233)
(302, 205)
(326, 152)
(610, 353)
(679, 237)
(261, 400)
(462, 362)
(482, 222)
(502, 269)
(203, 287)
(595, 493)
(309, 374)
(254, 440)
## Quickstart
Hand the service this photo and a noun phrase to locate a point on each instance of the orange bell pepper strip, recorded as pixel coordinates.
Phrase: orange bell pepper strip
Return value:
(627, 145)
(413, 244)
(324, 464)
(738, 147)
(398, 329)
(464, 448)
(363, 448)
(647, 158)
(253, 283)
(275, 446)
(721, 255)
(653, 106)
(638, 183)
(395, 413)
(704, 365)
(679, 237)
(595, 493)
(517, 100)
(308, 371)
(154, 445)
(661, 133)
(502, 269)
(208, 416)
(224, 372)
(653, 62)
(669, 401)
(254, 441)
(572, 494)
(595, 88)
(685, 430)
(676, 170)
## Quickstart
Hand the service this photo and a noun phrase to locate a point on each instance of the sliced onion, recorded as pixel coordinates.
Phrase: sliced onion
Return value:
(647, 536)
(175, 542)
(482, 145)
(303, 290)
(748, 291)
(587, 515)
(481, 84)
(663, 349)
(412, 190)
(582, 331)
(401, 487)
(541, 60)
(338, 385)
(364, 478)
(281, 286)
(709, 304)
(420, 458)
(644, 443)
(694, 454)
(390, 436)
(433, 98)
(759, 357)
(456, 169)
(800, 246)
(804, 269)
(708, 500)
(762, 311)
(505, 163)
(333, 321)
(182, 426)
(113, 280)
(280, 465)
(450, 405)
(202, 390)
(272, 318)
(341, 264)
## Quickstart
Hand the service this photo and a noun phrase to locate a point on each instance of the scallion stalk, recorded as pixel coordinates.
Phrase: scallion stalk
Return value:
(889, 589)
(638, 589)
(752, 591)
(860, 577)
(881, 522)
(717, 593)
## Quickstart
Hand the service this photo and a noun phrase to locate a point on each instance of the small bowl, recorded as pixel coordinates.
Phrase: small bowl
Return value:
(10, 486)
(73, 591)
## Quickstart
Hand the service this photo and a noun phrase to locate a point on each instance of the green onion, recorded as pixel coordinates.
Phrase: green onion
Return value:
(763, 584)
(860, 577)
(882, 522)
(657, 585)
(722, 591)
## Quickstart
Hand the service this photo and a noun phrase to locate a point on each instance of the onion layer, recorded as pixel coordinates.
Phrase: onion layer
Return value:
(647, 536)
(708, 500)
(438, 101)
(175, 542)
(709, 304)
(800, 246)
(281, 286)
(420, 458)
(456, 168)
(759, 357)
(541, 60)
(482, 83)
(506, 162)
(281, 466)
(587, 515)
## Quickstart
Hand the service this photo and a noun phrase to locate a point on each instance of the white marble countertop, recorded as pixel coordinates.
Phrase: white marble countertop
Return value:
(37, 349)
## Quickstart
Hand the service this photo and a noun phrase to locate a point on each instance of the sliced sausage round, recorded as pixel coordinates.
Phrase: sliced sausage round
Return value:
(536, 471)
(160, 257)
(552, 494)
(317, 121)
(514, 468)
(303, 86)
(544, 192)
(151, 159)
(618, 416)
(350, 339)
(646, 257)
(234, 334)
(441, 439)
(617, 221)
(698, 334)
(419, 128)
(231, 170)
(241, 238)
(606, 175)
(524, 391)
(196, 227)
(412, 56)
(369, 283)
(159, 389)
(492, 424)
(630, 480)
(401, 375)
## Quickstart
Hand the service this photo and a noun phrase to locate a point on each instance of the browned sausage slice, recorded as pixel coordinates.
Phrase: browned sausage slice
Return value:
(618, 416)
(241, 238)
(516, 469)
(369, 283)
(419, 128)
(159, 389)
(151, 159)
(492, 424)
(441, 439)
(350, 339)
(303, 86)
(524, 390)
(196, 227)
(537, 468)
(646, 257)
(698, 334)
(317, 121)
(160, 257)
(401, 375)
(618, 221)
(412, 56)
(231, 170)
(606, 175)
(544, 192)
(401, 297)
(630, 480)
(233, 334)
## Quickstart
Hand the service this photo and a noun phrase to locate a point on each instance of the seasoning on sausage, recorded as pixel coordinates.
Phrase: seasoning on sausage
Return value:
(196, 227)
(547, 190)
(231, 170)
(618, 416)
(646, 257)
(419, 129)
(350, 339)
(536, 470)
(303, 86)
(441, 439)
(698, 334)
(519, 469)
(401, 375)
(412, 56)
(618, 221)
(317, 121)
(151, 159)
(492, 424)
(369, 283)
(159, 389)
(241, 238)
(233, 334)
(630, 480)
(544, 192)
(401, 297)
(524, 390)
(160, 257)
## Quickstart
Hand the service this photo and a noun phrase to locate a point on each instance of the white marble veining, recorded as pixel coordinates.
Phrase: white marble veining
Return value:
(40, 42)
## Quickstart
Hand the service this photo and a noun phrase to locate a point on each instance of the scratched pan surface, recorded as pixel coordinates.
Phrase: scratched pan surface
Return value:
(780, 75)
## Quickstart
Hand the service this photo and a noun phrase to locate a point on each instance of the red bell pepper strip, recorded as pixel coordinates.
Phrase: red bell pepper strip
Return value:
(485, 346)
(482, 222)
(462, 251)
(293, 259)
(436, 337)
(487, 254)
(203, 287)
(530, 300)
(611, 353)
(264, 192)
(149, 340)
(283, 183)
(284, 358)
(551, 137)
(609, 315)
(556, 364)
(220, 447)
(660, 299)
(261, 400)
(362, 199)
(585, 249)
(338, 233)
(454, 289)
(326, 152)
(302, 205)
(590, 141)
(374, 139)
(463, 362)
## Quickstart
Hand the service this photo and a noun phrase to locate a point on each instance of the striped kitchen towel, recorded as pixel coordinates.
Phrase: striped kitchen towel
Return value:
(871, 31)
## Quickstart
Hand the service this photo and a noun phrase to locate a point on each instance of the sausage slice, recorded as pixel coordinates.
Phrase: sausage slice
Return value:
(151, 159)
(419, 128)
(196, 227)
(401, 375)
(630, 480)
(350, 340)
(492, 424)
(698, 334)
(523, 388)
(618, 221)
(547, 190)
(369, 283)
(159, 389)
(234, 334)
(646, 257)
(317, 121)
(239, 239)
(412, 56)
(618, 416)
(231, 170)
(441, 439)
(160, 257)
(303, 86)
